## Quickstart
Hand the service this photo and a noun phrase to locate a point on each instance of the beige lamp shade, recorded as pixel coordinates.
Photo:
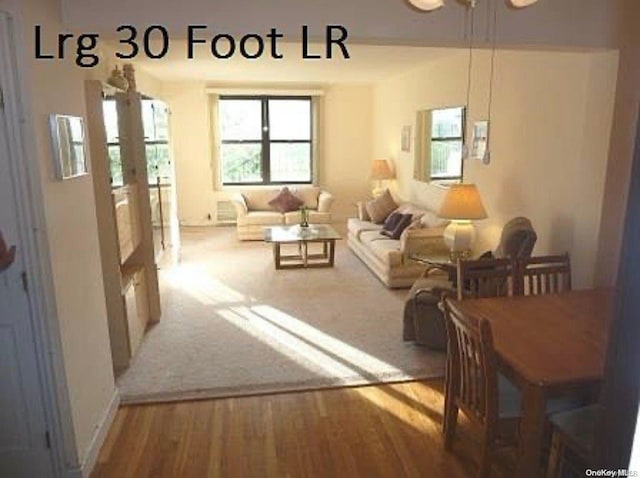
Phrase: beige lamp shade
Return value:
(462, 202)
(380, 170)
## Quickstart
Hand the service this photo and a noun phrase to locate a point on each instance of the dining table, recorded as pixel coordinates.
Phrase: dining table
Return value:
(549, 346)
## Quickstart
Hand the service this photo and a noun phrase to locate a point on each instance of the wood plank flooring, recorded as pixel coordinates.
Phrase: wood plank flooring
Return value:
(374, 431)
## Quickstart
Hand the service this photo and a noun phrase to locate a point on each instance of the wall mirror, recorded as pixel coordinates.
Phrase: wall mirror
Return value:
(439, 144)
(67, 134)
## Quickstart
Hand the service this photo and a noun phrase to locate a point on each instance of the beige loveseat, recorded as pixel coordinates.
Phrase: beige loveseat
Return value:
(388, 258)
(254, 212)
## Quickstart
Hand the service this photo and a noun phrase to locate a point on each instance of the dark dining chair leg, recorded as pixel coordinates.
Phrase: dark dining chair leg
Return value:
(554, 467)
(485, 456)
(450, 424)
(450, 418)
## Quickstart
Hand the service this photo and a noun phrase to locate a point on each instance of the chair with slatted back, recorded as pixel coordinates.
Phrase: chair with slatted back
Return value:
(473, 385)
(543, 275)
(484, 278)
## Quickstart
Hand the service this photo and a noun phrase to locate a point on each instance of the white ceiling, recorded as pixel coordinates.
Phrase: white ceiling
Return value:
(368, 63)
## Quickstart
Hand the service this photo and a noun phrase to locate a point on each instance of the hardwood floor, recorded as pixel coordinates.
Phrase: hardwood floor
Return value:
(373, 431)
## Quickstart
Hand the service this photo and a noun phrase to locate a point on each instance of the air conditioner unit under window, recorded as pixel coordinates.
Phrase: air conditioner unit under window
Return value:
(225, 213)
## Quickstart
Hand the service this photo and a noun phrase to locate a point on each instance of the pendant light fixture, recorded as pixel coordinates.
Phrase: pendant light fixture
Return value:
(430, 5)
(522, 3)
(427, 5)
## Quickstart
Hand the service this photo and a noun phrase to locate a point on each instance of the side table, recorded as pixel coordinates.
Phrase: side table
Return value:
(442, 262)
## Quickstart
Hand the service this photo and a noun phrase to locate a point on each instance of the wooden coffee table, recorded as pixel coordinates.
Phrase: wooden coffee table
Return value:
(302, 236)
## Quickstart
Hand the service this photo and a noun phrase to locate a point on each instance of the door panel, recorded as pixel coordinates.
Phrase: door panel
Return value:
(23, 443)
(14, 435)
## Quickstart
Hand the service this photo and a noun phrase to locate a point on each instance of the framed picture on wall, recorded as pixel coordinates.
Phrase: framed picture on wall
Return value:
(405, 140)
(67, 136)
(480, 140)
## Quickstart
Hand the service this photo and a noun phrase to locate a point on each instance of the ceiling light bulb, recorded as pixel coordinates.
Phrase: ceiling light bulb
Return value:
(522, 3)
(427, 5)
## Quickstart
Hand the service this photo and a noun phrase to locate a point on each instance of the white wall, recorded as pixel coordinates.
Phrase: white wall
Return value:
(346, 148)
(550, 133)
(70, 229)
(192, 151)
(343, 160)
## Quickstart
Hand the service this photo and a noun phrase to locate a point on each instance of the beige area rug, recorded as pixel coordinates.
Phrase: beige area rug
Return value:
(232, 325)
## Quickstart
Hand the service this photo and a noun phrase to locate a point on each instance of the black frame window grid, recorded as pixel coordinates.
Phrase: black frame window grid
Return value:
(262, 155)
(447, 139)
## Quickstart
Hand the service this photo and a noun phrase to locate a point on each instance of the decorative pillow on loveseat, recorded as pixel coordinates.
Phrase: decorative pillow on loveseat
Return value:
(380, 207)
(285, 201)
(395, 224)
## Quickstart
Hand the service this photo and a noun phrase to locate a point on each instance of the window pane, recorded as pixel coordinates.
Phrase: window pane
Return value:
(240, 119)
(110, 120)
(155, 120)
(241, 163)
(446, 159)
(290, 119)
(158, 164)
(291, 162)
(115, 165)
(447, 123)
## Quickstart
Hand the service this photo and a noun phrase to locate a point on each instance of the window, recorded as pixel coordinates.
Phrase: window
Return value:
(113, 144)
(447, 133)
(155, 120)
(265, 140)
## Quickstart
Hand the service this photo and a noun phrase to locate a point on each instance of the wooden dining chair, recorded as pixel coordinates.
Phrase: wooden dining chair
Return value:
(484, 278)
(543, 275)
(573, 443)
(472, 385)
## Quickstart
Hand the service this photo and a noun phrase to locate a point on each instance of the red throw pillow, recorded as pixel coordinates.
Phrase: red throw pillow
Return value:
(285, 201)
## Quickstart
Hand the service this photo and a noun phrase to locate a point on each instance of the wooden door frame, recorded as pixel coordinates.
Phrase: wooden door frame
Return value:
(31, 226)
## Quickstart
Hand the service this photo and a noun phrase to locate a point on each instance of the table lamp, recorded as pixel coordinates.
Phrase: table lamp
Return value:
(380, 170)
(462, 204)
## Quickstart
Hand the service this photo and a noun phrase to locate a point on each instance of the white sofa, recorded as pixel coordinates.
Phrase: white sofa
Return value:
(389, 259)
(254, 212)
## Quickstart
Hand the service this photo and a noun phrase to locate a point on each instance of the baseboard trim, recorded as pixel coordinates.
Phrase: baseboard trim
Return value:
(91, 457)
